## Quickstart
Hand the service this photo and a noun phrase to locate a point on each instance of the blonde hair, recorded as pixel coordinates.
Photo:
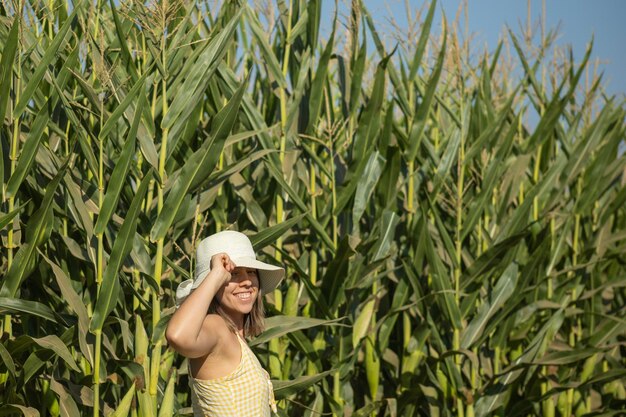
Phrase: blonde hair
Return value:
(253, 322)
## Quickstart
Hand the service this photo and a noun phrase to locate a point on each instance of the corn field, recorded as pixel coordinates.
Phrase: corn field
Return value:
(452, 221)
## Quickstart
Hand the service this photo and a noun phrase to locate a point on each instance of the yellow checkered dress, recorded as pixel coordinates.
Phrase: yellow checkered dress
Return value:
(245, 392)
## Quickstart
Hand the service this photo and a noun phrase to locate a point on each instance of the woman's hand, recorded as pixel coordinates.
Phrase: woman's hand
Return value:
(222, 266)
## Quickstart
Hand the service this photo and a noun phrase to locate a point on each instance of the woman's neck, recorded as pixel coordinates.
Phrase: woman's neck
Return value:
(239, 322)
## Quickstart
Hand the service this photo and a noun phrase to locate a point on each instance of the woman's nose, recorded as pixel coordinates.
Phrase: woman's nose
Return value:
(245, 278)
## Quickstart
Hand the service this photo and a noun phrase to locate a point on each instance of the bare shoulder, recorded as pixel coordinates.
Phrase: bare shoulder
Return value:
(216, 321)
(221, 352)
(221, 337)
(213, 334)
(214, 325)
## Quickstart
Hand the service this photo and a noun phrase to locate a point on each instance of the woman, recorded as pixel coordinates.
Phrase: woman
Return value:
(216, 312)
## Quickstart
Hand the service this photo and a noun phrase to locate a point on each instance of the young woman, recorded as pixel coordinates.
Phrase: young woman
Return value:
(216, 312)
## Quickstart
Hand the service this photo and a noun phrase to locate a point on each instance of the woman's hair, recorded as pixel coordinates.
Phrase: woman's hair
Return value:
(253, 322)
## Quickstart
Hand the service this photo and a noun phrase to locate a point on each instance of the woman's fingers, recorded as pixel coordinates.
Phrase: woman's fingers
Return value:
(223, 260)
(228, 263)
(220, 260)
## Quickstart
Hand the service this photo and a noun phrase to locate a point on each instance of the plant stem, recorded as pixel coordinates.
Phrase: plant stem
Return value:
(15, 143)
(158, 264)
(457, 269)
(99, 268)
(337, 378)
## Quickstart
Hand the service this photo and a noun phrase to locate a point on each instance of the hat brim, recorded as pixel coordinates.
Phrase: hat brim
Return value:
(269, 275)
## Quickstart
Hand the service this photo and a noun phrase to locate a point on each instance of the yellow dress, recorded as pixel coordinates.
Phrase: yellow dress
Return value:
(245, 392)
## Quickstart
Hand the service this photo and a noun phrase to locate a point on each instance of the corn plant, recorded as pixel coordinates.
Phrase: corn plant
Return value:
(452, 222)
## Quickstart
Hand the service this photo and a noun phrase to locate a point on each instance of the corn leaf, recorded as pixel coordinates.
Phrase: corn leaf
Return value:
(118, 177)
(107, 298)
(39, 229)
(46, 60)
(206, 157)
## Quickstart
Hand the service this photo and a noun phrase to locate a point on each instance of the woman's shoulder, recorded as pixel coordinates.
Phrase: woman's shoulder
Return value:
(215, 337)
(225, 341)
(216, 324)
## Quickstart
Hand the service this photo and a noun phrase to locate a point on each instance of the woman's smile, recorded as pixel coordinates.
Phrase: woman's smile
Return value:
(247, 295)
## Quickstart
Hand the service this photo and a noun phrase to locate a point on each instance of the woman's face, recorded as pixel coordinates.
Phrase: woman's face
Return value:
(240, 293)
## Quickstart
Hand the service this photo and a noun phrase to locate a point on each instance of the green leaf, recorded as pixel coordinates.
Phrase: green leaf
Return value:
(215, 177)
(267, 55)
(251, 113)
(145, 402)
(69, 294)
(346, 193)
(293, 195)
(16, 305)
(137, 90)
(366, 185)
(442, 281)
(83, 139)
(66, 403)
(388, 223)
(357, 66)
(56, 345)
(28, 153)
(9, 409)
(336, 275)
(566, 357)
(277, 326)
(450, 156)
(283, 389)
(369, 123)
(76, 205)
(7, 359)
(299, 28)
(143, 102)
(6, 68)
(37, 227)
(605, 377)
(7, 218)
(118, 177)
(317, 87)
(528, 71)
(167, 401)
(200, 74)
(48, 59)
(398, 304)
(272, 233)
(609, 328)
(123, 407)
(491, 258)
(363, 322)
(393, 74)
(423, 39)
(159, 330)
(496, 397)
(121, 248)
(421, 115)
(204, 158)
(502, 291)
(492, 175)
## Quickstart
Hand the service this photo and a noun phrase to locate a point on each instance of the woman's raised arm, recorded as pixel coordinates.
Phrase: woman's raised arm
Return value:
(191, 331)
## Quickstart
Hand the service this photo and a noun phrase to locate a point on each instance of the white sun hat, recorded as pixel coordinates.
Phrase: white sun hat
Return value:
(239, 249)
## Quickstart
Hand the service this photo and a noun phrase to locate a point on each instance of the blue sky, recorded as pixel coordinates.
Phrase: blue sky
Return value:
(577, 21)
